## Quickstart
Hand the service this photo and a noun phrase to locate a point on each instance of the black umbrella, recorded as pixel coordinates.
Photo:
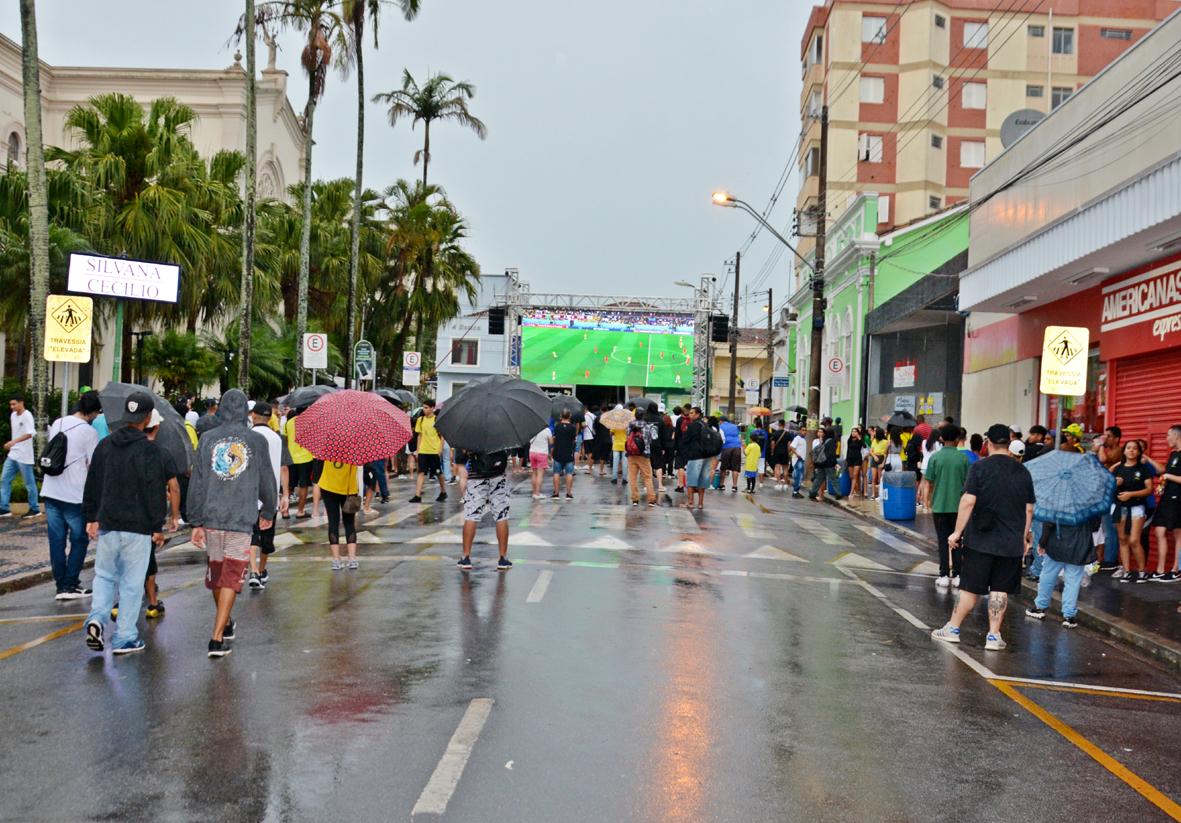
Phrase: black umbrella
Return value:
(565, 402)
(902, 420)
(493, 414)
(401, 398)
(305, 396)
(172, 436)
(642, 402)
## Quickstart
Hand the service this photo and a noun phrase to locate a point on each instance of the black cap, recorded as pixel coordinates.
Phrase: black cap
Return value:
(138, 406)
(262, 409)
(998, 433)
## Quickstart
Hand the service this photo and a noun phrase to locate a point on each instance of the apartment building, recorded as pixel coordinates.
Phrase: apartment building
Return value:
(919, 91)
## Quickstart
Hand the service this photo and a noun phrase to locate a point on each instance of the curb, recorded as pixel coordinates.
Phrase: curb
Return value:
(1159, 648)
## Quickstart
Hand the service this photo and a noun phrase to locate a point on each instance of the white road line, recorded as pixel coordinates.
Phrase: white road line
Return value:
(445, 778)
(825, 534)
(1068, 684)
(883, 536)
(539, 588)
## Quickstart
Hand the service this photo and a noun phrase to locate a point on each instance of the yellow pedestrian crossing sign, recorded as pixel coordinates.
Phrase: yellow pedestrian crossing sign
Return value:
(1064, 360)
(69, 320)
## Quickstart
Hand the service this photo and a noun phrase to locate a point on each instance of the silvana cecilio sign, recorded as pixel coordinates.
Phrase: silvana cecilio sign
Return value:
(123, 278)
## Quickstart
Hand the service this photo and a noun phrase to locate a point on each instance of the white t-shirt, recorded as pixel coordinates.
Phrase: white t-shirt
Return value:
(588, 427)
(81, 438)
(540, 442)
(275, 451)
(22, 424)
(800, 446)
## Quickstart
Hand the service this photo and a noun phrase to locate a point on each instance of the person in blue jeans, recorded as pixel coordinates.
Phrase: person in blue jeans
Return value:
(124, 508)
(62, 496)
(1065, 549)
(19, 458)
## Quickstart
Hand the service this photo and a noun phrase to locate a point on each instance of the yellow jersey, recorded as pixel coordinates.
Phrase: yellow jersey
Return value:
(618, 439)
(429, 441)
(340, 478)
(753, 453)
(299, 454)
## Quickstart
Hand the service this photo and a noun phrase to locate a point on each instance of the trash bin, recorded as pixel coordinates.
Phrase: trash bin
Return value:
(898, 495)
(845, 483)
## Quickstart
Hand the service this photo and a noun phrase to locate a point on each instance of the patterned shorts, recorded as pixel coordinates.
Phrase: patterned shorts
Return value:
(228, 559)
(486, 495)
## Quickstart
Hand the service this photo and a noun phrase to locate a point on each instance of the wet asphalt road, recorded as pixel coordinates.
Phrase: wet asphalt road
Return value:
(635, 665)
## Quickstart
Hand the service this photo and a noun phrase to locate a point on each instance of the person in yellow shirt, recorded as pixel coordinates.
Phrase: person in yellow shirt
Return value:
(302, 464)
(879, 450)
(750, 456)
(338, 482)
(429, 451)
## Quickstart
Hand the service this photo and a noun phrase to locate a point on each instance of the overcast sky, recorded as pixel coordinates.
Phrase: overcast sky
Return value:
(609, 123)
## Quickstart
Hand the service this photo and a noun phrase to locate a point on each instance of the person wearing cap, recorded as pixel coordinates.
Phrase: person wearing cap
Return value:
(172, 474)
(1072, 439)
(947, 470)
(123, 504)
(992, 529)
(62, 495)
(1035, 443)
(1017, 450)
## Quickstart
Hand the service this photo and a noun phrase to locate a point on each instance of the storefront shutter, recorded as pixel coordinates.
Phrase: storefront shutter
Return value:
(1146, 399)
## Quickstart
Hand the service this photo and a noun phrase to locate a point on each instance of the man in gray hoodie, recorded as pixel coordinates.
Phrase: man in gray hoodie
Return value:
(232, 475)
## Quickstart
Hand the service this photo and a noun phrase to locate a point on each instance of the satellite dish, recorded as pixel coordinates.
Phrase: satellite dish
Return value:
(1017, 123)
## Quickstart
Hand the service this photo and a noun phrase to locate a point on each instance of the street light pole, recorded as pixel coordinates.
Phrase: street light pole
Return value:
(734, 337)
(818, 282)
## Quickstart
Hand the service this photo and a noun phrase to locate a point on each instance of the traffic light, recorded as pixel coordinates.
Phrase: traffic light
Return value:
(496, 320)
(719, 328)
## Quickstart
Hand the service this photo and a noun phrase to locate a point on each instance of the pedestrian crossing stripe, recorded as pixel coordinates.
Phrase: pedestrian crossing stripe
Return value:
(926, 567)
(286, 539)
(613, 543)
(826, 535)
(443, 536)
(883, 536)
(856, 561)
(528, 539)
(368, 537)
(684, 547)
(773, 553)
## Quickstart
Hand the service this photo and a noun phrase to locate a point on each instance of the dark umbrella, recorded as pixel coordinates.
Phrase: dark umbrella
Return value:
(493, 414)
(401, 398)
(305, 396)
(902, 419)
(642, 402)
(565, 402)
(172, 436)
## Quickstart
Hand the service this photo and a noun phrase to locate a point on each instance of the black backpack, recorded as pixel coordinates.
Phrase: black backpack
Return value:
(711, 441)
(53, 459)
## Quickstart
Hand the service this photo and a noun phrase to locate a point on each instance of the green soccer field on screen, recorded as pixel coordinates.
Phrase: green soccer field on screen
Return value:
(606, 358)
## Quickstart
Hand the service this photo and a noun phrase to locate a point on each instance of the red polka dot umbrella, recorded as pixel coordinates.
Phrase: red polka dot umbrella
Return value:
(352, 427)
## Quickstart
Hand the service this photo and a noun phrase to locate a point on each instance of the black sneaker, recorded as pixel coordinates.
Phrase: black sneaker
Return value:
(416, 499)
(1156, 577)
(613, 483)
(1070, 622)
(76, 593)
(155, 610)
(1108, 567)
(555, 496)
(264, 577)
(465, 563)
(625, 482)
(679, 490)
(1143, 577)
(94, 636)
(1130, 577)
(651, 504)
(442, 496)
(503, 564)
(1035, 613)
(797, 495)
(385, 498)
(1171, 577)
(635, 502)
(30, 515)
(569, 497)
(230, 631)
(255, 581)
(218, 648)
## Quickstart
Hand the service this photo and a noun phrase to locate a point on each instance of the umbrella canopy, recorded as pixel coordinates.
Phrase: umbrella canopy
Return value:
(617, 419)
(759, 411)
(642, 402)
(172, 436)
(305, 396)
(565, 402)
(1071, 488)
(401, 398)
(353, 427)
(902, 419)
(493, 414)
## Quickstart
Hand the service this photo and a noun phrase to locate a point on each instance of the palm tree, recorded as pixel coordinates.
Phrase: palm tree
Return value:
(355, 13)
(247, 289)
(326, 34)
(440, 98)
(38, 208)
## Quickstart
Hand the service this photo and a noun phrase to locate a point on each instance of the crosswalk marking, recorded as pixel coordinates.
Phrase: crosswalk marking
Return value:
(683, 547)
(883, 536)
(773, 553)
(282, 541)
(926, 567)
(856, 561)
(752, 527)
(608, 542)
(824, 533)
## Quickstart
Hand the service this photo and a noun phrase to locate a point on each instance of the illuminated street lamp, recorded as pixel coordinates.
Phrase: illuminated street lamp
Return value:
(729, 201)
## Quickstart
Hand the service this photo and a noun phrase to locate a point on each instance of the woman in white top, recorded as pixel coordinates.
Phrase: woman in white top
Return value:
(539, 448)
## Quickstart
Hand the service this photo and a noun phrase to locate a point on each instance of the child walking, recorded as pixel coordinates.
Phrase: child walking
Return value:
(751, 455)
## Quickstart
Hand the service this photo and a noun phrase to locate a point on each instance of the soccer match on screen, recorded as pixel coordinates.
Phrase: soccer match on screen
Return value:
(566, 346)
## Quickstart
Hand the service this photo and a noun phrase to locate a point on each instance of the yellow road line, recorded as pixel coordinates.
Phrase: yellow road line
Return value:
(41, 618)
(1143, 787)
(1120, 693)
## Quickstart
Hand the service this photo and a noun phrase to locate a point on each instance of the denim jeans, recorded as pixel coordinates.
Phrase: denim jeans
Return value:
(1049, 579)
(618, 465)
(822, 477)
(120, 568)
(65, 519)
(1035, 569)
(797, 474)
(11, 467)
(378, 467)
(1110, 539)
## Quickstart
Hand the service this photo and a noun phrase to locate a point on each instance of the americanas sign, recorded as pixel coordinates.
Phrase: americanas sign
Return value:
(1142, 310)
(121, 277)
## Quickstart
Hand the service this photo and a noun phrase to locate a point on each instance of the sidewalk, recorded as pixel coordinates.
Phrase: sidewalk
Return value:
(1143, 615)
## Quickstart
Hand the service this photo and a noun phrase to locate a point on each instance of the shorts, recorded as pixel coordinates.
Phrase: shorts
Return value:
(264, 539)
(486, 494)
(679, 461)
(430, 465)
(538, 460)
(317, 470)
(227, 559)
(731, 459)
(563, 468)
(1168, 513)
(588, 446)
(982, 573)
(697, 473)
(301, 475)
(151, 563)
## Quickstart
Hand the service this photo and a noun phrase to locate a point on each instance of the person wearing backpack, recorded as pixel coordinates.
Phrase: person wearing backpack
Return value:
(824, 464)
(64, 464)
(640, 436)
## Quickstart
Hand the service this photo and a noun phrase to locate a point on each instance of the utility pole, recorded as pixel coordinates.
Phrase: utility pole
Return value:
(817, 348)
(734, 337)
(770, 349)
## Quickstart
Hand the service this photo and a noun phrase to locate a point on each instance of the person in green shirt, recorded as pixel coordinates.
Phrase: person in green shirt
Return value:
(947, 469)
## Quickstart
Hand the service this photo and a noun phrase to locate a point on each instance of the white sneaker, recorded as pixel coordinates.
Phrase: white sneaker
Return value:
(955, 581)
(1092, 568)
(1119, 573)
(993, 643)
(948, 634)
(942, 582)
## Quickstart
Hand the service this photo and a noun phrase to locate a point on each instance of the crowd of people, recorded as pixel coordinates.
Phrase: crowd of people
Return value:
(609, 318)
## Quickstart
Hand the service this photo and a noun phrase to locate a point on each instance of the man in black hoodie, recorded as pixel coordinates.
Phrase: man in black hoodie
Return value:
(124, 507)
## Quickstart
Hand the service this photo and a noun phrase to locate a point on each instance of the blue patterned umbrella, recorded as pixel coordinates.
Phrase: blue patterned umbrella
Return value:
(1071, 488)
